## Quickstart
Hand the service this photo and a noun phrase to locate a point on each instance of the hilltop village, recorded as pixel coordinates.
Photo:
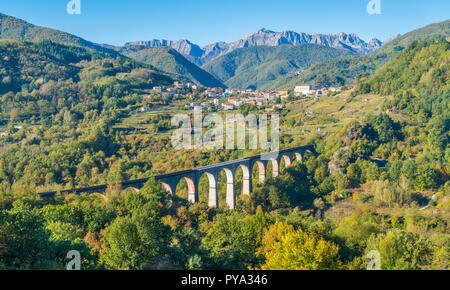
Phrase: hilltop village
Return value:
(219, 99)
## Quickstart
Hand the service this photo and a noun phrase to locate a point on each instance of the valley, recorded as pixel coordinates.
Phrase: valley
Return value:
(77, 114)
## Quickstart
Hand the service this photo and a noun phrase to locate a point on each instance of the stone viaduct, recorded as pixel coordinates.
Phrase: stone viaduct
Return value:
(193, 176)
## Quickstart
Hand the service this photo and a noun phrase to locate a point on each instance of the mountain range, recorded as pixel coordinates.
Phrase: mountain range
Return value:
(262, 60)
(183, 60)
(201, 55)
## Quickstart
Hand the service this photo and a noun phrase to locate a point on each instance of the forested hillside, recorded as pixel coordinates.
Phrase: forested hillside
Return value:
(418, 79)
(17, 29)
(417, 83)
(47, 78)
(170, 61)
(259, 67)
(344, 70)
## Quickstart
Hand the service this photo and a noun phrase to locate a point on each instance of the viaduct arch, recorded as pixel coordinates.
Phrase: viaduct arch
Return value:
(193, 176)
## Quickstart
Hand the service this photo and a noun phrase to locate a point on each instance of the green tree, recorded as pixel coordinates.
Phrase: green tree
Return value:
(401, 250)
(426, 178)
(355, 230)
(136, 241)
(233, 240)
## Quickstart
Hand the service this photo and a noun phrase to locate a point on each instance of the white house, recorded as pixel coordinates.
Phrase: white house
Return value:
(303, 89)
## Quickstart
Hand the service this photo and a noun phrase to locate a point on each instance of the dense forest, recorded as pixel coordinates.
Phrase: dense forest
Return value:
(377, 183)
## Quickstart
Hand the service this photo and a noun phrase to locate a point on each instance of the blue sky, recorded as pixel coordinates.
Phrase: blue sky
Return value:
(206, 21)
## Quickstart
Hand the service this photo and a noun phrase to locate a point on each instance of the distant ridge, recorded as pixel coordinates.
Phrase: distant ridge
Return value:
(264, 37)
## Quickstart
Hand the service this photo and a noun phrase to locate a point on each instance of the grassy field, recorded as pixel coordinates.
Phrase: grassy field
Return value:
(326, 114)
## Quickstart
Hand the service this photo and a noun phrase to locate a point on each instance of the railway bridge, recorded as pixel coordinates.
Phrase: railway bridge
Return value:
(193, 176)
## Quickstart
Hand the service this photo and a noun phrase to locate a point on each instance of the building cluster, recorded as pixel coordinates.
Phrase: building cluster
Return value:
(231, 98)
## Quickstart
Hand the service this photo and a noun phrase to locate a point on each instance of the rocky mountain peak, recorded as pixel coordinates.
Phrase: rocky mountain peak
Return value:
(204, 54)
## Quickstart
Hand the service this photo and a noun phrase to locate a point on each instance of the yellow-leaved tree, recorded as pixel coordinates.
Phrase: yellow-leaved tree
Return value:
(285, 248)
